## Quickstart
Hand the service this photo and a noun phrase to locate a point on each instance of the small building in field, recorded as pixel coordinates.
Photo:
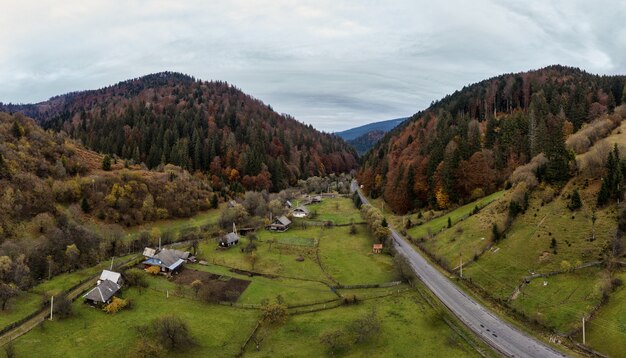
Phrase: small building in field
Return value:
(230, 239)
(168, 260)
(288, 204)
(300, 212)
(377, 248)
(102, 293)
(281, 224)
(111, 276)
(316, 199)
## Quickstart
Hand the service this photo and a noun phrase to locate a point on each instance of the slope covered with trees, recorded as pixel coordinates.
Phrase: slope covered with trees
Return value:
(49, 184)
(467, 144)
(210, 127)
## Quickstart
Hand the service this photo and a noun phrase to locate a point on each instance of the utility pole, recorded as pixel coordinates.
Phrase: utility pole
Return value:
(584, 340)
(112, 263)
(51, 306)
(159, 243)
(461, 266)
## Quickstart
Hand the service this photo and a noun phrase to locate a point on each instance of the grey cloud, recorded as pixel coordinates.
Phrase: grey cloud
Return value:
(334, 64)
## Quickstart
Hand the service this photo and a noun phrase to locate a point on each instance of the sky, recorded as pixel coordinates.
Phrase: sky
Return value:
(330, 63)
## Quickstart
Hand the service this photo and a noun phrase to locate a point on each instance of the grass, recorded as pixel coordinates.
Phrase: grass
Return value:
(349, 258)
(264, 288)
(272, 258)
(606, 331)
(434, 226)
(219, 330)
(468, 237)
(65, 281)
(20, 307)
(563, 301)
(298, 241)
(409, 328)
(338, 210)
(526, 248)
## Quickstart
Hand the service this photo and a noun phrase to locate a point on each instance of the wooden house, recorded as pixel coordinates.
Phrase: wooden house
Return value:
(280, 224)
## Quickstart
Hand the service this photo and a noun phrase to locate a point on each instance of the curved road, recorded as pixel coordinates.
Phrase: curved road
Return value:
(501, 336)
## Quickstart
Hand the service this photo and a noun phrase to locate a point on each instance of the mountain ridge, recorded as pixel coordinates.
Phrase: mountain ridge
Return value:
(208, 126)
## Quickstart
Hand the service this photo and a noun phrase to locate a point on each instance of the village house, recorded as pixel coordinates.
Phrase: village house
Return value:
(168, 260)
(300, 212)
(108, 285)
(280, 224)
(230, 239)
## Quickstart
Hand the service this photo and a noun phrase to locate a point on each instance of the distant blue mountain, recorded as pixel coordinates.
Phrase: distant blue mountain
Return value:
(384, 126)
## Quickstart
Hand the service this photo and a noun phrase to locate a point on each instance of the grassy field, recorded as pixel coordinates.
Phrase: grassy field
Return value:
(263, 288)
(349, 258)
(339, 210)
(272, 258)
(436, 225)
(20, 307)
(410, 328)
(468, 237)
(219, 330)
(526, 248)
(563, 301)
(606, 332)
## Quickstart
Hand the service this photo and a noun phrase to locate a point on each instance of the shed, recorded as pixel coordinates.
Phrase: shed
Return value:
(377, 248)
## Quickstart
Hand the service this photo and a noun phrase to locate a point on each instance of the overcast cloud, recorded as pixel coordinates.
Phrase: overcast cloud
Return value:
(333, 64)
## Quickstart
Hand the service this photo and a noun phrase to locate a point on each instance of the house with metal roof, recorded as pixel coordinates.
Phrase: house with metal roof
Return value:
(280, 224)
(102, 293)
(111, 276)
(169, 260)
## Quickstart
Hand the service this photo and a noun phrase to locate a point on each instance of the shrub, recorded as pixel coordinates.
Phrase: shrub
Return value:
(116, 305)
(153, 270)
(335, 340)
(135, 278)
(275, 313)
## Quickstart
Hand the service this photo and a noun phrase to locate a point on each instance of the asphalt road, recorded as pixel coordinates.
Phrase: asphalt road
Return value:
(498, 334)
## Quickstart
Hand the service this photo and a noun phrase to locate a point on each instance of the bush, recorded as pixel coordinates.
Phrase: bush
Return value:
(116, 305)
(335, 340)
(146, 348)
(575, 201)
(136, 278)
(275, 313)
(153, 270)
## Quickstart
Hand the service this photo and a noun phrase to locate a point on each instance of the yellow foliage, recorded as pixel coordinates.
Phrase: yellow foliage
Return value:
(116, 305)
(154, 270)
(443, 201)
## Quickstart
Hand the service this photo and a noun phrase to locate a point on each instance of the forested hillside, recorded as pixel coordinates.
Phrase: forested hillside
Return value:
(211, 127)
(366, 141)
(467, 144)
(48, 185)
